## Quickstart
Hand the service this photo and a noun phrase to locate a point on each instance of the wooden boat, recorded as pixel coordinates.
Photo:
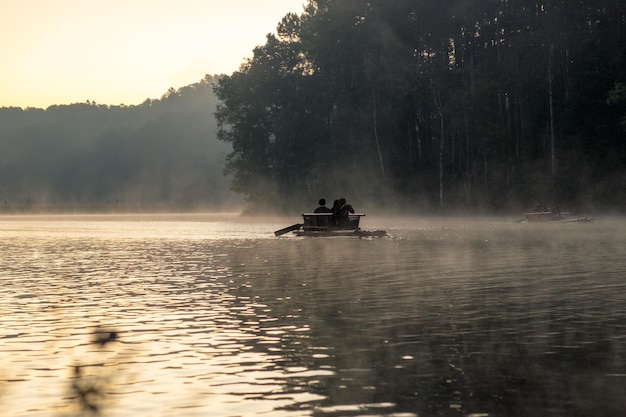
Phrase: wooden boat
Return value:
(544, 216)
(549, 216)
(323, 225)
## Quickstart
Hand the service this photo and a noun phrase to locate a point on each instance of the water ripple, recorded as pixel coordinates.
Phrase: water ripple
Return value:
(191, 318)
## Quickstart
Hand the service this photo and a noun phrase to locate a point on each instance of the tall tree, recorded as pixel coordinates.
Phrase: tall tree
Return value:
(490, 103)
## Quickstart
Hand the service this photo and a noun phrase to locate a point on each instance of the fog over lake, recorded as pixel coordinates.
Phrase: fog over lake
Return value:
(211, 314)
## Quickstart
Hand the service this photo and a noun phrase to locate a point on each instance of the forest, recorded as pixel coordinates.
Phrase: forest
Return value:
(423, 106)
(433, 105)
(161, 155)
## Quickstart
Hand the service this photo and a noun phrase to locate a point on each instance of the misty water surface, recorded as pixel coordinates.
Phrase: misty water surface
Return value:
(213, 315)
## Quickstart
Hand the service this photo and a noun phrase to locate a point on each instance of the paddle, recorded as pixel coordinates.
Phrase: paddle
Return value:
(288, 229)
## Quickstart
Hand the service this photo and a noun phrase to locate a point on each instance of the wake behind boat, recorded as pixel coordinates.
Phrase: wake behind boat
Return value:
(326, 225)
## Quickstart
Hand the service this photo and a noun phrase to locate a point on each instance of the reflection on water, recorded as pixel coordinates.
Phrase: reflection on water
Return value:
(213, 315)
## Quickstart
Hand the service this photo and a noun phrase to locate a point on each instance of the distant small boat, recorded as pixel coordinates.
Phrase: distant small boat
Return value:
(323, 225)
(550, 216)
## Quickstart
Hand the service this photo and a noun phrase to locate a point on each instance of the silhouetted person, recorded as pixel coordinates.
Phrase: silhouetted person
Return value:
(345, 210)
(335, 211)
(323, 221)
(322, 208)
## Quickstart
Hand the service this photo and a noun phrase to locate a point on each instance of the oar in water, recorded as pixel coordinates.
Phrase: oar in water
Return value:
(288, 229)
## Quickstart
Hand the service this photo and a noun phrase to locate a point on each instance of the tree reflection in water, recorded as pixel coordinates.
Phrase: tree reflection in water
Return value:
(435, 341)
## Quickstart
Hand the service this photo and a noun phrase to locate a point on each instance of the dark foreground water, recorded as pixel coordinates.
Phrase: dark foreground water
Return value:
(211, 315)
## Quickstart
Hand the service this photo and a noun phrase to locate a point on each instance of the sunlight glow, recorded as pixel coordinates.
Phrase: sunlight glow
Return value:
(115, 51)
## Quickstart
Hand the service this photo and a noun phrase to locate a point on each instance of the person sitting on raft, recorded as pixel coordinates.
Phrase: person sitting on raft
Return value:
(343, 214)
(322, 208)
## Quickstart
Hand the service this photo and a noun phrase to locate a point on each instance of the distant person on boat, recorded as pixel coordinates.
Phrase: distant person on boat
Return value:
(322, 208)
(344, 212)
(335, 211)
(323, 221)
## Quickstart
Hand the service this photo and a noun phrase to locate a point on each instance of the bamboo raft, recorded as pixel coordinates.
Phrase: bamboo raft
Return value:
(326, 225)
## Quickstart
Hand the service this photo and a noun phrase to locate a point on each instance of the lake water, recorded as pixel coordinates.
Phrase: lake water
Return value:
(211, 315)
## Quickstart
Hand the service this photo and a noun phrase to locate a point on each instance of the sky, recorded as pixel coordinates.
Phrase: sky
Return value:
(124, 51)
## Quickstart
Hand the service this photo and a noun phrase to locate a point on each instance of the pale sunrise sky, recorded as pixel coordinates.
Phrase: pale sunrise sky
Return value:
(124, 51)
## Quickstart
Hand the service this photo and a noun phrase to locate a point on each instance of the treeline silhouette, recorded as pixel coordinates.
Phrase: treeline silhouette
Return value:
(160, 155)
(434, 104)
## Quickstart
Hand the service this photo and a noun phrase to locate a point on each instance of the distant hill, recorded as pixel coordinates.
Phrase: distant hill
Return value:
(160, 155)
